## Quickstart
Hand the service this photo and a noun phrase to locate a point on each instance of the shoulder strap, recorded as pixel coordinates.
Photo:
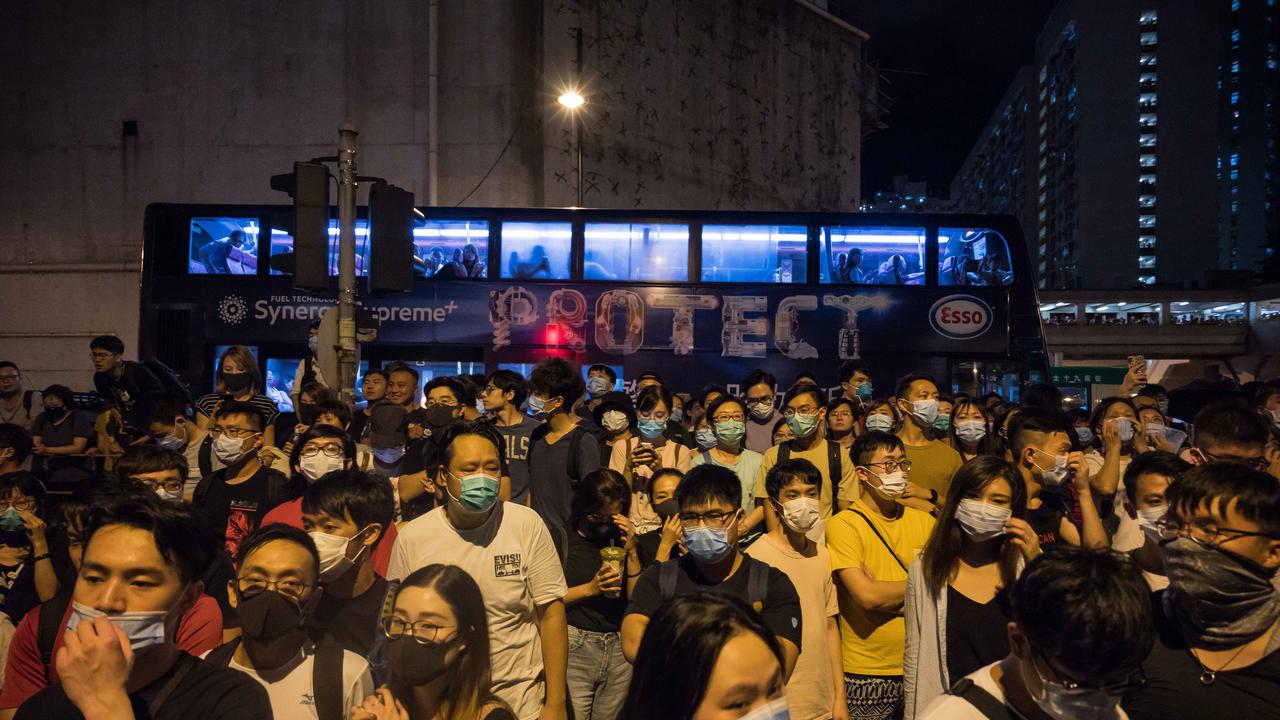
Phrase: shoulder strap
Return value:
(833, 467)
(757, 583)
(575, 448)
(668, 573)
(221, 655)
(983, 701)
(47, 629)
(880, 537)
(27, 398)
(206, 456)
(706, 458)
(784, 452)
(327, 682)
(185, 663)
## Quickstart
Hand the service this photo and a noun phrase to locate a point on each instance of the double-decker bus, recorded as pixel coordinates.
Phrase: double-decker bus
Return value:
(699, 296)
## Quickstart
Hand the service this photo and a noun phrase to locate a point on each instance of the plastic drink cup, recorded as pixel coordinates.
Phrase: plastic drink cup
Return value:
(615, 557)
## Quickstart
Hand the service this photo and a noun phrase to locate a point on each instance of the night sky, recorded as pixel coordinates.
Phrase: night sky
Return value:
(945, 64)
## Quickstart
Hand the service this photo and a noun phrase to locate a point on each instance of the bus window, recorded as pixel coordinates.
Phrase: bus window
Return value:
(873, 255)
(280, 376)
(223, 246)
(451, 248)
(536, 251)
(622, 251)
(974, 257)
(282, 242)
(754, 253)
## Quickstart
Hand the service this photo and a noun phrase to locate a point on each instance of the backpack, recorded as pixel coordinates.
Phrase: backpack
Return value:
(326, 675)
(50, 622)
(834, 470)
(983, 701)
(575, 451)
(308, 373)
(277, 485)
(757, 581)
(173, 384)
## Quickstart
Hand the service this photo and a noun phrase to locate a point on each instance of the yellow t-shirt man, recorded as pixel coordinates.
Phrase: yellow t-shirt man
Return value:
(872, 641)
(933, 465)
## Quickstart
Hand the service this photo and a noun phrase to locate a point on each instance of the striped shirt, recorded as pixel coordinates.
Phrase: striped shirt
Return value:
(263, 404)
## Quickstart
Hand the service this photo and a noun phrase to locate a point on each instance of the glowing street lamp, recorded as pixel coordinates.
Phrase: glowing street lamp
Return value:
(573, 101)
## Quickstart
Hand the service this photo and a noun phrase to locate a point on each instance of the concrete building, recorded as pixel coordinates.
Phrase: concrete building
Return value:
(1123, 122)
(113, 106)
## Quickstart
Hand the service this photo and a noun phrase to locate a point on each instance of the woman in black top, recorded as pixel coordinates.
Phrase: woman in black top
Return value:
(240, 380)
(61, 434)
(598, 675)
(27, 574)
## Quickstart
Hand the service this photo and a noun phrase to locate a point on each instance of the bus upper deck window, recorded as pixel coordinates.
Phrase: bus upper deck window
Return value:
(451, 248)
(536, 251)
(754, 253)
(873, 255)
(974, 257)
(223, 246)
(627, 251)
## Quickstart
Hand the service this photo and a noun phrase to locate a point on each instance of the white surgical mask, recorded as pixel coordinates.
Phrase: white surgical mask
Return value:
(1057, 474)
(926, 411)
(319, 465)
(614, 420)
(144, 629)
(971, 431)
(167, 496)
(892, 485)
(800, 514)
(880, 422)
(773, 710)
(760, 409)
(334, 562)
(1147, 519)
(982, 521)
(227, 449)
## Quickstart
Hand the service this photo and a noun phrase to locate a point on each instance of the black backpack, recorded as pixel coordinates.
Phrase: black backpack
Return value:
(833, 466)
(983, 701)
(326, 675)
(575, 450)
(757, 581)
(277, 485)
(47, 629)
(173, 384)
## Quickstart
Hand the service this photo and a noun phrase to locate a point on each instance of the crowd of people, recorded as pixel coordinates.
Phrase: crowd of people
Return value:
(500, 547)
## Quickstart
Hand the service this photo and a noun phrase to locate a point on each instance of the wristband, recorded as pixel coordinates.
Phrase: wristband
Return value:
(41, 556)
(933, 496)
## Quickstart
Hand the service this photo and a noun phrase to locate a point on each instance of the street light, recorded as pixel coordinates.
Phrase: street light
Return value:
(573, 101)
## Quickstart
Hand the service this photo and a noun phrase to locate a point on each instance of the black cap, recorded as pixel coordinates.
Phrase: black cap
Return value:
(615, 400)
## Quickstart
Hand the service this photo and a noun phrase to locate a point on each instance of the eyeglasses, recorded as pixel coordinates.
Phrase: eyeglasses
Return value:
(446, 403)
(1257, 463)
(422, 632)
(102, 355)
(23, 504)
(237, 433)
(715, 517)
(806, 410)
(1136, 679)
(893, 465)
(292, 589)
(332, 451)
(1203, 532)
(151, 485)
(489, 388)
(728, 418)
(839, 416)
(6, 378)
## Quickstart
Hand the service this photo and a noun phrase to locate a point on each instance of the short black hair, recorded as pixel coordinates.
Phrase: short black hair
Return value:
(1156, 462)
(865, 445)
(366, 497)
(758, 377)
(513, 382)
(598, 490)
(15, 436)
(720, 402)
(235, 407)
(651, 375)
(27, 484)
(110, 343)
(789, 471)
(336, 408)
(278, 531)
(402, 368)
(1216, 484)
(1152, 391)
(708, 484)
(601, 367)
(1042, 395)
(1230, 422)
(1102, 408)
(804, 389)
(322, 431)
(160, 408)
(179, 535)
(1033, 421)
(482, 428)
(454, 387)
(9, 364)
(557, 377)
(62, 392)
(649, 397)
(849, 367)
(1090, 610)
(375, 371)
(140, 459)
(904, 384)
(707, 390)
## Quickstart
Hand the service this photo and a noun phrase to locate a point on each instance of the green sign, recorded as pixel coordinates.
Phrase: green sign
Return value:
(1088, 375)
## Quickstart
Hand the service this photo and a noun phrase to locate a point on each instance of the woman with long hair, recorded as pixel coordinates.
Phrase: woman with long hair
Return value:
(706, 657)
(981, 542)
(238, 379)
(971, 432)
(437, 652)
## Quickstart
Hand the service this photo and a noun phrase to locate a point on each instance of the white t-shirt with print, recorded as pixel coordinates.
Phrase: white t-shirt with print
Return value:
(291, 691)
(512, 559)
(951, 707)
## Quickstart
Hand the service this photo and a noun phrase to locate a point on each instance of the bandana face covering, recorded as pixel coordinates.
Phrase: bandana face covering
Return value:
(1217, 598)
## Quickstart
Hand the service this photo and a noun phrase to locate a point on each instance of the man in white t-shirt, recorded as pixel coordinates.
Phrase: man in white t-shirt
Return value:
(1081, 627)
(278, 569)
(507, 549)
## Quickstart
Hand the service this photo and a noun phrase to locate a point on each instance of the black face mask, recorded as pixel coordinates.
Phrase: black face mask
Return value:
(413, 664)
(306, 413)
(440, 416)
(55, 413)
(667, 508)
(236, 382)
(601, 533)
(268, 615)
(11, 393)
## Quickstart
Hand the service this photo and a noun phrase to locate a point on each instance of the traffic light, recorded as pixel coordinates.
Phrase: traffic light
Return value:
(308, 185)
(390, 238)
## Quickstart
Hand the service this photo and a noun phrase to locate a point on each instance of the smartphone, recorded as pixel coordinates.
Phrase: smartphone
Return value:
(225, 398)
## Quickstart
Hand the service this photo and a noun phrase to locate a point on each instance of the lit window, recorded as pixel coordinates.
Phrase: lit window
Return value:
(1147, 120)
(1235, 66)
(536, 251)
(1235, 97)
(1148, 17)
(639, 251)
(1147, 180)
(1147, 279)
(1147, 78)
(1235, 5)
(1147, 100)
(1235, 159)
(754, 253)
(1147, 38)
(1146, 242)
(1146, 201)
(1147, 140)
(1147, 160)
(1147, 60)
(1146, 221)
(1235, 174)
(1271, 63)
(873, 255)
(1235, 36)
(968, 256)
(1146, 262)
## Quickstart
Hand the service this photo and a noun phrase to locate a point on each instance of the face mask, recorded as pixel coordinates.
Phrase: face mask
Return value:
(1147, 519)
(652, 428)
(172, 442)
(598, 386)
(334, 562)
(1218, 599)
(440, 417)
(1154, 430)
(1057, 474)
(800, 514)
(1163, 407)
(802, 425)
(926, 411)
(708, 545)
(227, 449)
(1085, 435)
(480, 408)
(971, 431)
(1062, 704)
(775, 710)
(614, 421)
(677, 415)
(1124, 429)
(667, 508)
(167, 496)
(311, 344)
(731, 432)
(601, 534)
(235, 382)
(982, 521)
(1275, 418)
(413, 664)
(144, 629)
(863, 392)
(388, 456)
(880, 422)
(479, 492)
(11, 521)
(942, 423)
(319, 465)
(892, 485)
(760, 409)
(706, 438)
(55, 414)
(267, 615)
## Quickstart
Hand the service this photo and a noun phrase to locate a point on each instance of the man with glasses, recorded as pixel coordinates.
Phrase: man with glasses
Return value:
(872, 542)
(1230, 430)
(710, 504)
(504, 392)
(274, 591)
(121, 385)
(1217, 624)
(15, 405)
(1080, 627)
(234, 499)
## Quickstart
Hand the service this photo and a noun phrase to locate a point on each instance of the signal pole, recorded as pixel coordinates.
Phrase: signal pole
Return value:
(347, 262)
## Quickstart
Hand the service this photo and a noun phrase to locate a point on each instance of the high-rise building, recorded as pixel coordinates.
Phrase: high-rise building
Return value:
(1136, 115)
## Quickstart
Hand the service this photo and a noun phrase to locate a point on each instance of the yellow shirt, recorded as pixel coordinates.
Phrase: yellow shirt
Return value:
(933, 465)
(872, 641)
(849, 490)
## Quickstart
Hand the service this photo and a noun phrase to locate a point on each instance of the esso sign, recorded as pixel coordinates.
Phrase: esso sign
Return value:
(960, 317)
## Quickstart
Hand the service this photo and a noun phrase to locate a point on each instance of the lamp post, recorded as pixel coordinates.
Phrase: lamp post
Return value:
(573, 101)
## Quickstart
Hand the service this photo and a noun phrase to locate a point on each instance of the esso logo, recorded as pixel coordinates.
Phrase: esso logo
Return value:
(960, 317)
